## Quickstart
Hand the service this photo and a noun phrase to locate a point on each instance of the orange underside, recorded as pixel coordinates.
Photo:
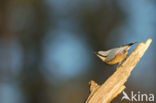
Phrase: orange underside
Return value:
(118, 59)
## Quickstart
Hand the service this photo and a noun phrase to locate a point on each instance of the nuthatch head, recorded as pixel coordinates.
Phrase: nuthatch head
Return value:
(115, 55)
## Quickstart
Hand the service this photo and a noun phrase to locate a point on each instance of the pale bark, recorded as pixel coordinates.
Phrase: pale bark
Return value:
(114, 85)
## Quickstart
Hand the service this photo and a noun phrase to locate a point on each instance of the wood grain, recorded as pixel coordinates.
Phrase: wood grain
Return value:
(114, 85)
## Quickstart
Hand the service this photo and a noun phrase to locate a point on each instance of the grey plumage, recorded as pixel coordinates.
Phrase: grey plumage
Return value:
(110, 54)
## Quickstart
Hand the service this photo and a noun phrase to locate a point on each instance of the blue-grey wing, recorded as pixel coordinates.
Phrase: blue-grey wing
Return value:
(115, 51)
(112, 54)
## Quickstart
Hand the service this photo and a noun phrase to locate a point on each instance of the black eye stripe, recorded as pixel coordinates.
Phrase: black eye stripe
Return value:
(100, 55)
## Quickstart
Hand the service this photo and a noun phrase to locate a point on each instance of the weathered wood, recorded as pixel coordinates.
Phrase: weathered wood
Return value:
(114, 85)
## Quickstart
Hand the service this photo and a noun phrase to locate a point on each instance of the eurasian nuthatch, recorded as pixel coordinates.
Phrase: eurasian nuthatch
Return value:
(115, 55)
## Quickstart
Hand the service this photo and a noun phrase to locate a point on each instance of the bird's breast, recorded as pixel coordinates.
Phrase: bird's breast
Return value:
(117, 59)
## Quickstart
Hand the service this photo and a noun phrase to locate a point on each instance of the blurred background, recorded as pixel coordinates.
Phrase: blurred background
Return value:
(47, 47)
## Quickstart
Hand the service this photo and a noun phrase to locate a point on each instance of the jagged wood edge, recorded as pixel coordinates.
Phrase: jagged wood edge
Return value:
(115, 83)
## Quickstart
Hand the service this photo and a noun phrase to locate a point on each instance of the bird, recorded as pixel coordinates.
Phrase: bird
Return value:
(115, 55)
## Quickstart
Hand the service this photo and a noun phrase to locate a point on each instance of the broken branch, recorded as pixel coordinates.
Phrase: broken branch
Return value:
(114, 85)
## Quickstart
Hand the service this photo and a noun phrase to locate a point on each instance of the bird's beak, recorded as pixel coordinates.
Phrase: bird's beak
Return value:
(101, 57)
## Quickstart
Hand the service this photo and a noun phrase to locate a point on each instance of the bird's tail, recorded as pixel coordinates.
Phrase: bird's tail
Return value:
(130, 44)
